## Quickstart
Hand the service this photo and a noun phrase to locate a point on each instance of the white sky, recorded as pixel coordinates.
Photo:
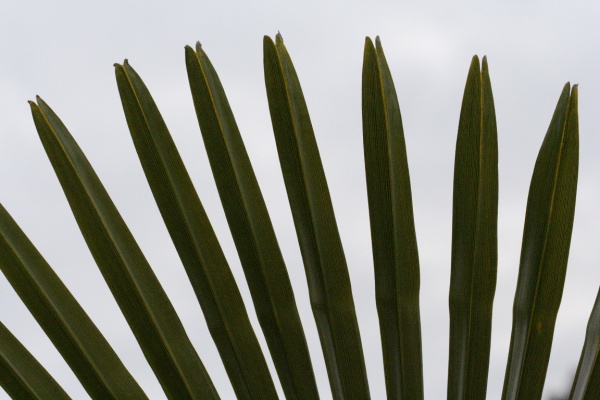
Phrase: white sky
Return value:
(64, 52)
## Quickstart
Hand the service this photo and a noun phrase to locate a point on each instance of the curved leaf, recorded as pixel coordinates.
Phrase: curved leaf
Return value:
(196, 243)
(251, 228)
(324, 261)
(395, 253)
(544, 253)
(474, 239)
(136, 289)
(21, 376)
(586, 385)
(75, 336)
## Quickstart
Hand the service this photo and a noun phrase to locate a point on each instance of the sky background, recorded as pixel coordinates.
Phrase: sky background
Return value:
(64, 52)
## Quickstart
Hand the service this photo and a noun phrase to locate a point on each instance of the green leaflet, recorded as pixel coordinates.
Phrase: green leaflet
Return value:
(320, 244)
(395, 254)
(251, 228)
(474, 239)
(196, 243)
(544, 253)
(140, 296)
(586, 385)
(75, 336)
(21, 376)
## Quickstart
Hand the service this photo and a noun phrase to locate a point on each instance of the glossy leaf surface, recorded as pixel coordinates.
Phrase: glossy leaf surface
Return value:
(324, 261)
(474, 239)
(544, 253)
(72, 332)
(395, 253)
(195, 240)
(251, 228)
(130, 278)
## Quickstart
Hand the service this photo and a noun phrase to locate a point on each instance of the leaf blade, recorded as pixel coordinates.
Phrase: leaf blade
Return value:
(586, 385)
(72, 332)
(474, 239)
(195, 241)
(251, 229)
(544, 254)
(140, 296)
(21, 375)
(393, 236)
(325, 264)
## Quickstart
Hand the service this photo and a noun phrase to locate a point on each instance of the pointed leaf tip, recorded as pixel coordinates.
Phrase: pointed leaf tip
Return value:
(279, 38)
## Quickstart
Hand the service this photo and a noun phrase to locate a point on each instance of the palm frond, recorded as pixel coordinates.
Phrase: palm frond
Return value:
(136, 289)
(252, 230)
(474, 239)
(195, 240)
(324, 261)
(544, 253)
(395, 253)
(21, 375)
(72, 332)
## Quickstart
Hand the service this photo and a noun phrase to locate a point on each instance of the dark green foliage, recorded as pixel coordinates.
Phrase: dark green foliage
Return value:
(395, 254)
(21, 376)
(140, 296)
(195, 241)
(474, 239)
(155, 324)
(252, 231)
(586, 385)
(75, 336)
(320, 244)
(544, 253)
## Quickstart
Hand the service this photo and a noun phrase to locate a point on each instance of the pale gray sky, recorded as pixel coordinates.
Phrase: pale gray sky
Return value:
(64, 52)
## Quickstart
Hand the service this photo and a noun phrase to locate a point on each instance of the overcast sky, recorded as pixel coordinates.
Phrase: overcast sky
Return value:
(64, 52)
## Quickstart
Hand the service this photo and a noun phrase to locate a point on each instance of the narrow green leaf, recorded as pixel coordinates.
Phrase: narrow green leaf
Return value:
(130, 278)
(324, 261)
(75, 336)
(474, 239)
(544, 253)
(252, 231)
(21, 375)
(586, 385)
(395, 253)
(195, 241)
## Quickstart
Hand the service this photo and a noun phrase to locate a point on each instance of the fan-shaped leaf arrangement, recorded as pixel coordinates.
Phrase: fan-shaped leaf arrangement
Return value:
(155, 323)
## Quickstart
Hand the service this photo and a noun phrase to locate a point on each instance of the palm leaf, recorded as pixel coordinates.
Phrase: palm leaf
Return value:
(474, 239)
(395, 253)
(140, 296)
(544, 253)
(195, 241)
(252, 231)
(75, 336)
(324, 261)
(586, 385)
(21, 375)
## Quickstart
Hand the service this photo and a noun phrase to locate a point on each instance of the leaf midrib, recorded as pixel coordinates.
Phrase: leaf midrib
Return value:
(108, 232)
(247, 219)
(546, 230)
